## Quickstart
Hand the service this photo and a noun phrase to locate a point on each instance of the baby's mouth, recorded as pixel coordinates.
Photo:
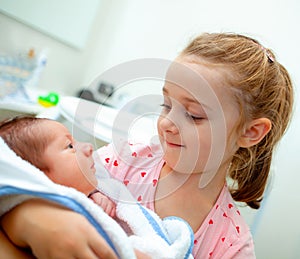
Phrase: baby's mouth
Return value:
(93, 166)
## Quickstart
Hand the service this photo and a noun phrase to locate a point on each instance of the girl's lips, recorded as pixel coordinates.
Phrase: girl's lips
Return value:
(173, 144)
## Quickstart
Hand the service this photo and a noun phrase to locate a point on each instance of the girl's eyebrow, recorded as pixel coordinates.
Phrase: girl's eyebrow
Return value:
(189, 99)
(165, 91)
(192, 100)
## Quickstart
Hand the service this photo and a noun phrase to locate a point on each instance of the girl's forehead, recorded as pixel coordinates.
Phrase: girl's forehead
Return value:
(201, 80)
(200, 70)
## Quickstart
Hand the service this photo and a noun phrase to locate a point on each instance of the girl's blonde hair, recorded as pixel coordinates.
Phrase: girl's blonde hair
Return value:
(262, 88)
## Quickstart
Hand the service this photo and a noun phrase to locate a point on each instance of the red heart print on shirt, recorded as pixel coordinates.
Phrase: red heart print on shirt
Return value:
(116, 163)
(143, 174)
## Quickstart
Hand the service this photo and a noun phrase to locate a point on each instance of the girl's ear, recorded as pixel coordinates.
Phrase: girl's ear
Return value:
(255, 132)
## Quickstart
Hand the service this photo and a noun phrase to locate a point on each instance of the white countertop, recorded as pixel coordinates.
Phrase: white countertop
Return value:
(107, 123)
(19, 104)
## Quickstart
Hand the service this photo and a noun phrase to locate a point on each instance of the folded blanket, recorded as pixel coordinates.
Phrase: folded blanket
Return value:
(167, 238)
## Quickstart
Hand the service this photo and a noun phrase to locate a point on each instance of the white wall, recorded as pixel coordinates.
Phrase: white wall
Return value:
(66, 66)
(130, 29)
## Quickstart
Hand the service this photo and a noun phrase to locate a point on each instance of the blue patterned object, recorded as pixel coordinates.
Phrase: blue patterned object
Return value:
(19, 72)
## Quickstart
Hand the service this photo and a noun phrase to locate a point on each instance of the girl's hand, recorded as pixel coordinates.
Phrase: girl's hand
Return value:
(105, 203)
(140, 255)
(52, 231)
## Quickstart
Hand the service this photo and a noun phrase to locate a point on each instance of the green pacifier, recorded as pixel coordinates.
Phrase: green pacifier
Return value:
(50, 100)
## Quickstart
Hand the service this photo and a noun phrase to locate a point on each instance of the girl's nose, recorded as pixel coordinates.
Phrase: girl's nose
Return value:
(166, 123)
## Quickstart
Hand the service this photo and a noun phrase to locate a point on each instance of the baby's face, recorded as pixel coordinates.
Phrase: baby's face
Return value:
(67, 161)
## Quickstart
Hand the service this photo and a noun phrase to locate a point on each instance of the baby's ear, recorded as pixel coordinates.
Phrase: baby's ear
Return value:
(255, 132)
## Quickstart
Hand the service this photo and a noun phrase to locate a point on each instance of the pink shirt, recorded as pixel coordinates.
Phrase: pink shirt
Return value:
(223, 234)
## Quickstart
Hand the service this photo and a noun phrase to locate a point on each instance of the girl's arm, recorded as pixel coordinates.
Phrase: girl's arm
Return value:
(52, 231)
(9, 251)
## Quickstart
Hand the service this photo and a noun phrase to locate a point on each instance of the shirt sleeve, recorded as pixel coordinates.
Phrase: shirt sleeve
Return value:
(113, 160)
(136, 165)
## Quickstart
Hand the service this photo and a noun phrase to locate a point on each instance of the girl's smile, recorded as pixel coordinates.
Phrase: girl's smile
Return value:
(173, 145)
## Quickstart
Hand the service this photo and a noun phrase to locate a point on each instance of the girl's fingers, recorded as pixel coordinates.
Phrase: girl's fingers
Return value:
(101, 249)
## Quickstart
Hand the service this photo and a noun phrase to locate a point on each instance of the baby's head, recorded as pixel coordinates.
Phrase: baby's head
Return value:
(49, 146)
(24, 135)
(261, 88)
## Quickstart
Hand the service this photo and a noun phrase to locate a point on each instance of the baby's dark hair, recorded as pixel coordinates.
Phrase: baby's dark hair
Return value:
(21, 135)
(262, 88)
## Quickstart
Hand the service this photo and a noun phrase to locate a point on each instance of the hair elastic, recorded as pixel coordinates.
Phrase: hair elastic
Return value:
(268, 54)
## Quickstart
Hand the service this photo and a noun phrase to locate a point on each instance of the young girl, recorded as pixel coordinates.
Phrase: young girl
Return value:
(227, 103)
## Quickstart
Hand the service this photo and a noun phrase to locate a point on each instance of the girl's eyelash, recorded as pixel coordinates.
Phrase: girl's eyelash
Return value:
(165, 105)
(193, 117)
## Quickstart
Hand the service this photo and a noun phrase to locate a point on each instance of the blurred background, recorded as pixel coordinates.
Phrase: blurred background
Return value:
(77, 40)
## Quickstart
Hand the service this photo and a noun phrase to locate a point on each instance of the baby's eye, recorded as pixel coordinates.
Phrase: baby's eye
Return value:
(71, 146)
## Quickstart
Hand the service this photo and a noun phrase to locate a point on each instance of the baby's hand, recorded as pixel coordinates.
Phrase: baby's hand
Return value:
(105, 203)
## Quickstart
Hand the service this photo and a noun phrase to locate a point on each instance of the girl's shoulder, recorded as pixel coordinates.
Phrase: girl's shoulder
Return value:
(226, 228)
(226, 215)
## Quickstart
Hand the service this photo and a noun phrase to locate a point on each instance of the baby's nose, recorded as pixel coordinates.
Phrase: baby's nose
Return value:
(87, 149)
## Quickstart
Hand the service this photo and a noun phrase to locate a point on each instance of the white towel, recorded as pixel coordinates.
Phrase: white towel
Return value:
(167, 238)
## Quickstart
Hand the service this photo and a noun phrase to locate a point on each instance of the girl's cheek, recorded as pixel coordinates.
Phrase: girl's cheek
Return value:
(158, 125)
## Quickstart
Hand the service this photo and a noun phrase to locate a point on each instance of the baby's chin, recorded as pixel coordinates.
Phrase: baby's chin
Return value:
(94, 183)
(92, 186)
